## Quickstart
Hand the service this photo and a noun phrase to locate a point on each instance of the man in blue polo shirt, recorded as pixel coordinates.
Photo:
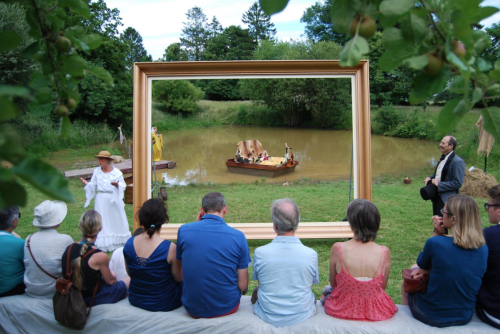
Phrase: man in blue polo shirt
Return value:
(215, 260)
(286, 271)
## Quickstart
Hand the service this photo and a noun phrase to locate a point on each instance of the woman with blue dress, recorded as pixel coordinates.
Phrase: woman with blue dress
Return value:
(155, 273)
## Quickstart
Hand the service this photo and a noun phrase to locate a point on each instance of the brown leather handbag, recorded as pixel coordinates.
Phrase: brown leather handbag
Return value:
(70, 309)
(412, 285)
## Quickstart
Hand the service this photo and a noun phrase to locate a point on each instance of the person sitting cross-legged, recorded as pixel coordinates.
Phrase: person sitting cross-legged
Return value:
(286, 271)
(11, 254)
(215, 260)
(359, 269)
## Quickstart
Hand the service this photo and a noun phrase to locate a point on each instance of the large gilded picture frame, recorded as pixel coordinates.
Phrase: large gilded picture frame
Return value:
(145, 73)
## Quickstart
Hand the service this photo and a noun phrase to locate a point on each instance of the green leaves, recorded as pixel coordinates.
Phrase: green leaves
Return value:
(11, 192)
(425, 86)
(102, 74)
(397, 49)
(353, 51)
(9, 40)
(65, 127)
(417, 63)
(271, 7)
(93, 41)
(491, 118)
(78, 6)
(44, 177)
(8, 108)
(447, 119)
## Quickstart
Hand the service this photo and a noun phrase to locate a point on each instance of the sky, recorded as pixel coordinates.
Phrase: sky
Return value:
(160, 21)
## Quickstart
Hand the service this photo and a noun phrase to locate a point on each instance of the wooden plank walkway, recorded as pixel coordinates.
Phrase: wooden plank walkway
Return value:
(125, 167)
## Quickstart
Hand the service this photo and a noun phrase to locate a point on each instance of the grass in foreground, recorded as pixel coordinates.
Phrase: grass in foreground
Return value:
(404, 228)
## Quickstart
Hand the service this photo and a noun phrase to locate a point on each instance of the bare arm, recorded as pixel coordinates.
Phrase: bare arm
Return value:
(387, 266)
(334, 258)
(100, 261)
(243, 280)
(176, 264)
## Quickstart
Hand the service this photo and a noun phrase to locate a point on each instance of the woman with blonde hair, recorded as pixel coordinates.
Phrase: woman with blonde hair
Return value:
(90, 266)
(455, 265)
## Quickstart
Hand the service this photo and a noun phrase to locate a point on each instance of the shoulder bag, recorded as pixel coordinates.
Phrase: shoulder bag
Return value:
(70, 309)
(412, 285)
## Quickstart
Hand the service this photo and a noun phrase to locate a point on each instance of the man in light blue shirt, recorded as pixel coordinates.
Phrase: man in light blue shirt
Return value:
(286, 271)
(11, 254)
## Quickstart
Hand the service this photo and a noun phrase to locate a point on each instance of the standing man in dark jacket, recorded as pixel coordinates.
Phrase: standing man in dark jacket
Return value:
(449, 174)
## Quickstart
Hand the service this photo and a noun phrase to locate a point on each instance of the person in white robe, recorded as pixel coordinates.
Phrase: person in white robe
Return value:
(110, 186)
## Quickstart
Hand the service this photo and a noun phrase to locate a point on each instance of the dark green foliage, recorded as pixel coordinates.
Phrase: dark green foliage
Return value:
(173, 52)
(220, 89)
(136, 51)
(176, 96)
(259, 23)
(386, 120)
(101, 103)
(195, 33)
(15, 69)
(300, 100)
(319, 27)
(234, 43)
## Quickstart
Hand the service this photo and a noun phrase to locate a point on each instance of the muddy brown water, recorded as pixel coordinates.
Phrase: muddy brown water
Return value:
(322, 154)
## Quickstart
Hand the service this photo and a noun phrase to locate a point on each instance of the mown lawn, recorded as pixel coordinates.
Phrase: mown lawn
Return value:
(404, 229)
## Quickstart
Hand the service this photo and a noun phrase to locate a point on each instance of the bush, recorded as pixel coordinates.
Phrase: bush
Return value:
(176, 96)
(386, 120)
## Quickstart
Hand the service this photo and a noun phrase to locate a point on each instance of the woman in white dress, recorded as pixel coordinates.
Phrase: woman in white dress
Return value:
(110, 186)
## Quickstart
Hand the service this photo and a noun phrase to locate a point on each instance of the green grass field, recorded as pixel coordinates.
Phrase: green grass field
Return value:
(404, 228)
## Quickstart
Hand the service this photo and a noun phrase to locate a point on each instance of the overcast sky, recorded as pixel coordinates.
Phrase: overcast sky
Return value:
(160, 21)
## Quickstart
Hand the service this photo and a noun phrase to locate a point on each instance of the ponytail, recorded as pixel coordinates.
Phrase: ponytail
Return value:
(90, 224)
(152, 215)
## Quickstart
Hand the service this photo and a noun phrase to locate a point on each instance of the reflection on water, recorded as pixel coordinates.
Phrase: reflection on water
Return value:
(322, 154)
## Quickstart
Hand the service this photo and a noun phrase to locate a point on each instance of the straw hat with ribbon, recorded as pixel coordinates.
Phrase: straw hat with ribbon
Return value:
(104, 154)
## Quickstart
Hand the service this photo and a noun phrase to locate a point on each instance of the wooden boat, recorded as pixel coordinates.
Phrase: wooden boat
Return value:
(260, 170)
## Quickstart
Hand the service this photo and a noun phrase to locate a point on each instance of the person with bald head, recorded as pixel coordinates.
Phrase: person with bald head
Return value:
(447, 178)
(285, 270)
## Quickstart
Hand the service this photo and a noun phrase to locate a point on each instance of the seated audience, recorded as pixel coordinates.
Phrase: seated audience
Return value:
(47, 247)
(286, 271)
(11, 254)
(455, 266)
(215, 260)
(359, 269)
(117, 261)
(155, 273)
(488, 299)
(90, 266)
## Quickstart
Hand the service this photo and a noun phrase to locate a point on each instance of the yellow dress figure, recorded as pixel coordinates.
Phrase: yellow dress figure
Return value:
(157, 144)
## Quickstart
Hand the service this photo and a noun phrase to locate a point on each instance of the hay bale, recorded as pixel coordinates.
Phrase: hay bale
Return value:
(477, 183)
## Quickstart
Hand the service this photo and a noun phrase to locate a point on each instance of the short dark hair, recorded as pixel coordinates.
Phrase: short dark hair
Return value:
(364, 219)
(152, 215)
(453, 141)
(213, 201)
(7, 216)
(285, 219)
(494, 193)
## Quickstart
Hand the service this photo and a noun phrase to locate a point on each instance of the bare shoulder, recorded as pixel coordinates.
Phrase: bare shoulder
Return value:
(100, 258)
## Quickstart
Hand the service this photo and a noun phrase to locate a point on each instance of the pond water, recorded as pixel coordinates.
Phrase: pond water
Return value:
(322, 154)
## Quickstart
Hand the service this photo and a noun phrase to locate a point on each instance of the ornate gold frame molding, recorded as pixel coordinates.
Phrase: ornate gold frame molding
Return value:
(144, 73)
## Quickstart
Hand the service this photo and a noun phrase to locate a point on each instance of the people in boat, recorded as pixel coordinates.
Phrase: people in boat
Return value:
(285, 270)
(215, 260)
(250, 159)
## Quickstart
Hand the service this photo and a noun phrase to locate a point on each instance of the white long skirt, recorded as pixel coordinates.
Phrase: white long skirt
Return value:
(115, 231)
